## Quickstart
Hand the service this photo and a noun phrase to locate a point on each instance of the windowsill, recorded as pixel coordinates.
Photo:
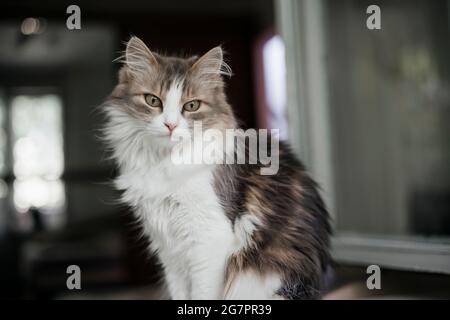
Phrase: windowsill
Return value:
(413, 254)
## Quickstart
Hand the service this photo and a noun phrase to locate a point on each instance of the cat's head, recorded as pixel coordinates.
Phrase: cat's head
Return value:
(165, 94)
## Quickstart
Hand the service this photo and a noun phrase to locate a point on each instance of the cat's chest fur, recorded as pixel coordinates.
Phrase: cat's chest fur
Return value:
(187, 210)
(180, 212)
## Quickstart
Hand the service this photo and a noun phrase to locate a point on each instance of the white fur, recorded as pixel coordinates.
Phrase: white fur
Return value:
(171, 111)
(178, 207)
(244, 227)
(191, 234)
(252, 286)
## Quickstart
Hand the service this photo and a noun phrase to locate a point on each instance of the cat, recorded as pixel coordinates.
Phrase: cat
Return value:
(220, 231)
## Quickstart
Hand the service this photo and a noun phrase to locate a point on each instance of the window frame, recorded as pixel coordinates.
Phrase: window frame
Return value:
(309, 123)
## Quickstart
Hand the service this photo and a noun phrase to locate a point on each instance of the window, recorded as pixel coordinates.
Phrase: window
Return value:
(274, 71)
(37, 159)
(369, 114)
(3, 153)
(3, 139)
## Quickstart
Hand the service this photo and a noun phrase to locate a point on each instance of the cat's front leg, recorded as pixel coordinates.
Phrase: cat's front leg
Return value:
(208, 273)
(208, 282)
(178, 284)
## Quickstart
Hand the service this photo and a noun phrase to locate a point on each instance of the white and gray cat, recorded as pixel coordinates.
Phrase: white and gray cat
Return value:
(220, 231)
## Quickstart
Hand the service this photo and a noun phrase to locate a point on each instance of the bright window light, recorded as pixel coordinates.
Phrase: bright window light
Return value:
(3, 139)
(38, 159)
(275, 84)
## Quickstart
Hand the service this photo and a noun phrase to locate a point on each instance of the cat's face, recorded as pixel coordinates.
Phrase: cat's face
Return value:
(166, 94)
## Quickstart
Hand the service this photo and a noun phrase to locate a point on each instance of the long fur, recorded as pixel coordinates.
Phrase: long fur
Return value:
(220, 231)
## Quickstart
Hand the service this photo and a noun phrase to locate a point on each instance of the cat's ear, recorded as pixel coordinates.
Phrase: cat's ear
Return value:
(139, 58)
(211, 63)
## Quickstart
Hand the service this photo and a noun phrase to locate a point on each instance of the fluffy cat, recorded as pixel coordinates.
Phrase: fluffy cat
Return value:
(220, 231)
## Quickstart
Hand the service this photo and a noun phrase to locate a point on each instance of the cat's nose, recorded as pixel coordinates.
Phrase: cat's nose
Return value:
(170, 126)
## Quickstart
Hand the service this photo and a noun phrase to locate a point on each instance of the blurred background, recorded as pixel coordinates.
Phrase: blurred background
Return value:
(368, 111)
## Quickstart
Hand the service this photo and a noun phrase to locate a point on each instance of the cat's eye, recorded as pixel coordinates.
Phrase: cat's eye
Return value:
(153, 101)
(192, 106)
